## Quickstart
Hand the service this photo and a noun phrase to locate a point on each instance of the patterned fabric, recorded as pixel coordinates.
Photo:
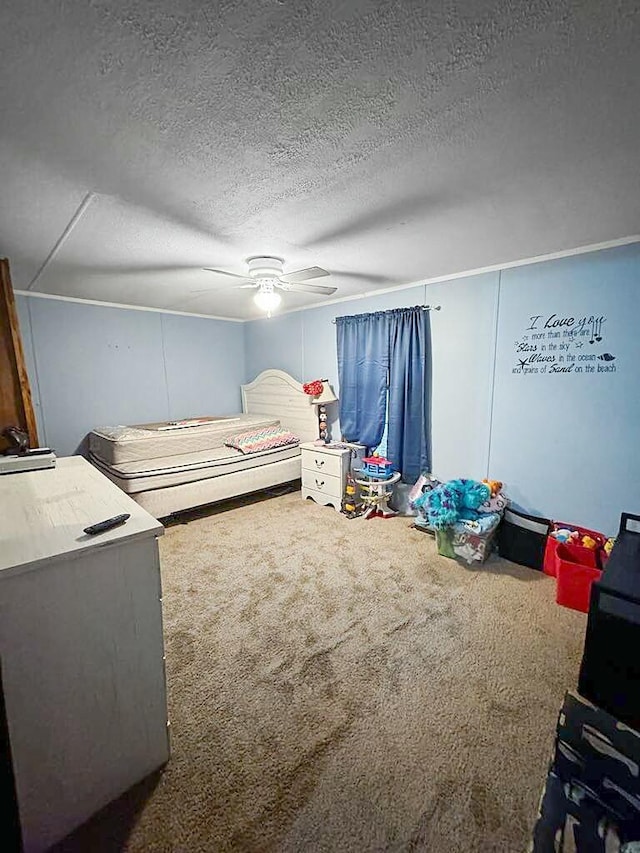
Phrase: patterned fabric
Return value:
(591, 801)
(262, 439)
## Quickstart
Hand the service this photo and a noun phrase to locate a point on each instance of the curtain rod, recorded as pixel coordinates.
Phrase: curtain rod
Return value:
(424, 308)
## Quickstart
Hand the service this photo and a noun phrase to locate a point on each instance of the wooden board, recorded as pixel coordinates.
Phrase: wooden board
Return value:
(16, 407)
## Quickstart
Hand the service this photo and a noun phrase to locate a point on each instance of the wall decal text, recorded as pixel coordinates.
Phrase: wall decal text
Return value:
(557, 344)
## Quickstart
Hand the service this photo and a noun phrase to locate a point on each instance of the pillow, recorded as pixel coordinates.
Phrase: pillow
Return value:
(262, 439)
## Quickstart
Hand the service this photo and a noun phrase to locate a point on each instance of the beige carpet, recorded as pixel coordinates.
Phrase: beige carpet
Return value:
(335, 685)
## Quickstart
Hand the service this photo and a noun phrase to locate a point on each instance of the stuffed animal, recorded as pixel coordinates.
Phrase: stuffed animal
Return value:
(562, 535)
(494, 485)
(454, 500)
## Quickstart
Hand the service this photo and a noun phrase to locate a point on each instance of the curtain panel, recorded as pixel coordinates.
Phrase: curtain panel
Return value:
(409, 430)
(387, 356)
(363, 368)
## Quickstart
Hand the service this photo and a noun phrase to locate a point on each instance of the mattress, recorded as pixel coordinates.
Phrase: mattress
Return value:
(160, 473)
(121, 444)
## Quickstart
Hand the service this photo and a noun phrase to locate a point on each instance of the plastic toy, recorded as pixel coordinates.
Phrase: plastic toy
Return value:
(375, 493)
(377, 467)
(608, 545)
(351, 505)
(588, 542)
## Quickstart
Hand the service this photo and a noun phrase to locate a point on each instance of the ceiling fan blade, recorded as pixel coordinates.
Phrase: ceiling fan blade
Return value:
(303, 275)
(251, 286)
(307, 288)
(224, 272)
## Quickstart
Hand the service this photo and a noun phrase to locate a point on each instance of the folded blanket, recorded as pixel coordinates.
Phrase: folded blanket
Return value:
(257, 440)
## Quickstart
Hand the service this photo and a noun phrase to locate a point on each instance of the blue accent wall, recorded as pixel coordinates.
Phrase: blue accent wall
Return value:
(91, 365)
(204, 365)
(567, 442)
(564, 443)
(276, 343)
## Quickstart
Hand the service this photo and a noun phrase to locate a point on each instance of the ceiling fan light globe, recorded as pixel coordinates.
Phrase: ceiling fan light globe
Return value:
(267, 300)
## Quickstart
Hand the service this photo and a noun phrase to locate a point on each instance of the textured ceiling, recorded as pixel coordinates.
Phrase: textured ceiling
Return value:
(386, 141)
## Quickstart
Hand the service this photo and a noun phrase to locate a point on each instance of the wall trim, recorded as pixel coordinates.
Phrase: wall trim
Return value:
(62, 239)
(536, 259)
(101, 304)
(494, 364)
(39, 405)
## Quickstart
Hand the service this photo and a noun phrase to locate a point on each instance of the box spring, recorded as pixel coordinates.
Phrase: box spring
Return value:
(219, 463)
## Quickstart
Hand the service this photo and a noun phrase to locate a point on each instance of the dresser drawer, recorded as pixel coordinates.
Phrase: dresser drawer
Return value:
(323, 499)
(318, 481)
(322, 463)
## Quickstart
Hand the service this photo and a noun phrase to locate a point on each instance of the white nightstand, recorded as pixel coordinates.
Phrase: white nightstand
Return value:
(324, 470)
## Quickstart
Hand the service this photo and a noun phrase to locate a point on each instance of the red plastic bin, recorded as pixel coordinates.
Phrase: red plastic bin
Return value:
(574, 579)
(550, 563)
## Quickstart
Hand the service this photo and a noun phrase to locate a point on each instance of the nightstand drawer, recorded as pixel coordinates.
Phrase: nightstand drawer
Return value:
(322, 463)
(319, 481)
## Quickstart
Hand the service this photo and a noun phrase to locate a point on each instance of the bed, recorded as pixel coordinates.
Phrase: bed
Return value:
(173, 466)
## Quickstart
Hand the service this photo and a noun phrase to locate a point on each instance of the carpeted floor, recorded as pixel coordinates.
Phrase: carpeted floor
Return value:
(335, 685)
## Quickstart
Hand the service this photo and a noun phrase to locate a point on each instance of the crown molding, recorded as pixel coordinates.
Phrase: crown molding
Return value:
(537, 259)
(101, 304)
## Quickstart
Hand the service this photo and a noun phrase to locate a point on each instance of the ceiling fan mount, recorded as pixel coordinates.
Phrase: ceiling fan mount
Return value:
(265, 266)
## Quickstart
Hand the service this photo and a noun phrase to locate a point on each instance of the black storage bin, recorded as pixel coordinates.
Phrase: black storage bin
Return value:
(522, 538)
(592, 783)
(610, 671)
(592, 746)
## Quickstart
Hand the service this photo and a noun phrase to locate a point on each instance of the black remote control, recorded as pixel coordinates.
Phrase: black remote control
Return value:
(101, 526)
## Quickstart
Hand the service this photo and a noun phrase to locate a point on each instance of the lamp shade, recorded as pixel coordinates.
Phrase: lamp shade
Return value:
(326, 395)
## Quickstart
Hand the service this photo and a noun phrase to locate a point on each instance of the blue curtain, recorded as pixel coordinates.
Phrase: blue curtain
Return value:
(408, 441)
(363, 367)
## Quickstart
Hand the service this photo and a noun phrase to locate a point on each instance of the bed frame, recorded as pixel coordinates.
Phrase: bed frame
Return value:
(273, 393)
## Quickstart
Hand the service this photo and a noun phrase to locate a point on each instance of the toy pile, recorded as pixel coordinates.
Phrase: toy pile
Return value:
(575, 556)
(464, 514)
(584, 540)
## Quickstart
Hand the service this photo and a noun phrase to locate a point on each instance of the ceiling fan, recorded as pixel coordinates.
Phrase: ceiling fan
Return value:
(265, 274)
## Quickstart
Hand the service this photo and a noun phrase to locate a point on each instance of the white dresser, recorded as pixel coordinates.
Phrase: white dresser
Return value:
(324, 470)
(81, 647)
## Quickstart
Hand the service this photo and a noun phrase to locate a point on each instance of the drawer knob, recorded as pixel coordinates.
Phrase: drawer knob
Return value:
(319, 483)
(319, 462)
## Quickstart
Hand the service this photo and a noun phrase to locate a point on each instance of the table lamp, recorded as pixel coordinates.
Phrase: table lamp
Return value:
(321, 402)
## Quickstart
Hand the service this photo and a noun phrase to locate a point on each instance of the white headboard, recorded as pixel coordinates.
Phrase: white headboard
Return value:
(274, 392)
